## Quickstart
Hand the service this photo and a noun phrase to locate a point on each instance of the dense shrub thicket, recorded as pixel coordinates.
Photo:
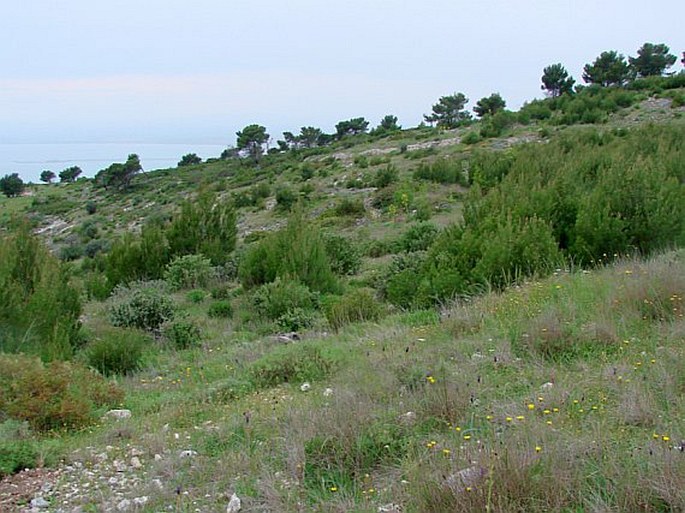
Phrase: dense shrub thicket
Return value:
(205, 225)
(39, 309)
(582, 198)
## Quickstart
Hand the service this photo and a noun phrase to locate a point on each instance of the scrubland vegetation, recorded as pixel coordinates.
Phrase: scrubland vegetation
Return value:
(481, 316)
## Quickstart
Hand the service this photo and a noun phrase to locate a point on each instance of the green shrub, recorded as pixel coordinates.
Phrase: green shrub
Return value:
(50, 396)
(221, 292)
(343, 254)
(16, 455)
(383, 198)
(188, 271)
(274, 300)
(143, 305)
(285, 198)
(297, 252)
(88, 230)
(93, 247)
(134, 258)
(196, 296)
(221, 309)
(399, 282)
(205, 225)
(306, 172)
(96, 286)
(353, 207)
(446, 171)
(296, 319)
(378, 248)
(182, 333)
(291, 364)
(488, 168)
(495, 125)
(385, 176)
(358, 305)
(418, 237)
(471, 137)
(361, 161)
(91, 208)
(71, 252)
(117, 351)
(39, 308)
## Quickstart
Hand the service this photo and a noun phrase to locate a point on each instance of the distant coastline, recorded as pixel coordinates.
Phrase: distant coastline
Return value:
(29, 159)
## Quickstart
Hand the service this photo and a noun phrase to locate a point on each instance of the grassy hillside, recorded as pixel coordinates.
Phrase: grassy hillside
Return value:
(481, 319)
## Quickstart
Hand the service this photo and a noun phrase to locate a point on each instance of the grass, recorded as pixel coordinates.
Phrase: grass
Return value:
(457, 413)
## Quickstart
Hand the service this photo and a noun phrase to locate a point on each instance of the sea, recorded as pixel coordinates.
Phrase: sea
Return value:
(30, 159)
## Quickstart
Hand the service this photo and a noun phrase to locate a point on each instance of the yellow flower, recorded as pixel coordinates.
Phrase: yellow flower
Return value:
(467, 437)
(457, 428)
(430, 379)
(509, 419)
(538, 448)
(531, 406)
(520, 417)
(666, 438)
(334, 488)
(446, 452)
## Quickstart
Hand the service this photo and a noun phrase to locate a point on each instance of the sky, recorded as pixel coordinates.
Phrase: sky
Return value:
(166, 71)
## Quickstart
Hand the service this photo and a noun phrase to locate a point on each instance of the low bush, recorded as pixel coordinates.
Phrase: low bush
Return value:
(93, 247)
(343, 254)
(220, 292)
(221, 309)
(117, 351)
(182, 333)
(472, 137)
(353, 207)
(296, 319)
(188, 271)
(385, 176)
(16, 455)
(285, 198)
(56, 395)
(445, 171)
(358, 305)
(418, 237)
(275, 299)
(361, 161)
(291, 364)
(143, 305)
(71, 252)
(196, 296)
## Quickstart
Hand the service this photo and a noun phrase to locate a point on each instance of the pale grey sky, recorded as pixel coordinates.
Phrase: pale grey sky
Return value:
(174, 70)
